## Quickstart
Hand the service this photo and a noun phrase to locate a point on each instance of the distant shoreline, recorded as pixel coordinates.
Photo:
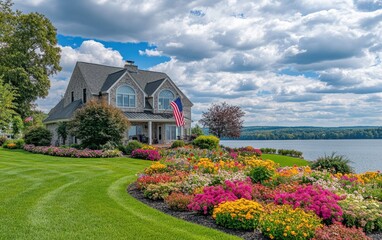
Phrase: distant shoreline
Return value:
(308, 133)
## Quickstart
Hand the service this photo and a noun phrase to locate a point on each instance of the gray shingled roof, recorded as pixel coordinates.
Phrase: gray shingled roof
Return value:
(148, 116)
(111, 79)
(95, 75)
(64, 113)
(152, 86)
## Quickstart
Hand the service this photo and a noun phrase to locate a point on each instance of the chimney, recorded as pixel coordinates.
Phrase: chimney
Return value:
(129, 65)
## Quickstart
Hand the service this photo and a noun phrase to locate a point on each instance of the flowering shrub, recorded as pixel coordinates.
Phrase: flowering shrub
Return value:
(195, 181)
(178, 201)
(369, 177)
(337, 231)
(239, 214)
(241, 189)
(210, 197)
(294, 171)
(148, 154)
(366, 214)
(11, 145)
(205, 165)
(147, 147)
(213, 195)
(144, 180)
(248, 151)
(161, 190)
(284, 222)
(252, 162)
(156, 167)
(323, 202)
(72, 152)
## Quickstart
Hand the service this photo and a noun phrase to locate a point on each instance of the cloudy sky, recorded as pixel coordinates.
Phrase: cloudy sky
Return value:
(290, 63)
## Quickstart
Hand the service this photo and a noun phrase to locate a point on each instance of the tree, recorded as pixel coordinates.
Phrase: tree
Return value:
(197, 130)
(17, 125)
(28, 54)
(38, 136)
(62, 131)
(98, 123)
(7, 106)
(223, 120)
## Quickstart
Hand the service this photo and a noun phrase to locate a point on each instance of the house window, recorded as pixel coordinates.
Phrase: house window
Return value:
(84, 95)
(72, 96)
(165, 98)
(125, 96)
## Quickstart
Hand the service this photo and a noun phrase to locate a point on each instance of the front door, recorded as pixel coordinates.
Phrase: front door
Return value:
(171, 132)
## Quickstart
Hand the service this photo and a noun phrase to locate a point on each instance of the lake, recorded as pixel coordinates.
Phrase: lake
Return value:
(366, 154)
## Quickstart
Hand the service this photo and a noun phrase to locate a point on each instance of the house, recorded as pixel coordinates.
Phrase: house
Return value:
(144, 96)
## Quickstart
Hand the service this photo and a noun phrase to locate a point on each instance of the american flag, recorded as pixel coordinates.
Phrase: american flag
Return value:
(178, 112)
(28, 119)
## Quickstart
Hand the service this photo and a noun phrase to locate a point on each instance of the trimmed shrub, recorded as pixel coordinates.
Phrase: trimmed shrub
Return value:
(178, 143)
(333, 163)
(71, 152)
(206, 142)
(152, 155)
(268, 150)
(13, 144)
(2, 140)
(131, 146)
(38, 136)
(75, 145)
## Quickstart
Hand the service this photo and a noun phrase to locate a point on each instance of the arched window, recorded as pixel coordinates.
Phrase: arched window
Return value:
(165, 97)
(125, 96)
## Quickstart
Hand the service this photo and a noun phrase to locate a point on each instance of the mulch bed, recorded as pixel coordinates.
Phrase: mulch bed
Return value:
(206, 221)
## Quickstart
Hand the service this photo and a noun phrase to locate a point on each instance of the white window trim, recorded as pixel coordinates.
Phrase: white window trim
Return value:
(164, 109)
(116, 96)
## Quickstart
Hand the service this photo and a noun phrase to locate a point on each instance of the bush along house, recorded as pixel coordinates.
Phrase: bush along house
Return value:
(144, 96)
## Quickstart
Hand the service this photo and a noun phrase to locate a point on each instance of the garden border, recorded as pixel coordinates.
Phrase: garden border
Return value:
(203, 220)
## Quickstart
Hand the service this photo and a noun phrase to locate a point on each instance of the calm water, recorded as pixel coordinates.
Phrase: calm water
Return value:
(365, 154)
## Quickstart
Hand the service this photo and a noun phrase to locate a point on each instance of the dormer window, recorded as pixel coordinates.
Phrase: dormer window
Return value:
(72, 96)
(125, 96)
(165, 98)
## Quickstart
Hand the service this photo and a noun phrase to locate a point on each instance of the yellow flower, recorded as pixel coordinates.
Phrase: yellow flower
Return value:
(285, 234)
(271, 236)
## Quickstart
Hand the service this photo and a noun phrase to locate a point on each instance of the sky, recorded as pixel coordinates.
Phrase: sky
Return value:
(285, 63)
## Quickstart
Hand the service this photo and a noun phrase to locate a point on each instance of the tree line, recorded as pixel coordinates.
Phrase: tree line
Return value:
(289, 133)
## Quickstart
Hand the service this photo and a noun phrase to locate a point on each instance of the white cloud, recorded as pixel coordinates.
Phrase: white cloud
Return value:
(234, 51)
(151, 52)
(88, 51)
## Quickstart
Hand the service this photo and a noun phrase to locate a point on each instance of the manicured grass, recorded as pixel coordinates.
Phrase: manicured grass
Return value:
(285, 160)
(45, 197)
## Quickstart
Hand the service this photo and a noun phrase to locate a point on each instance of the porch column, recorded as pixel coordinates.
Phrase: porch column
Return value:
(181, 132)
(150, 133)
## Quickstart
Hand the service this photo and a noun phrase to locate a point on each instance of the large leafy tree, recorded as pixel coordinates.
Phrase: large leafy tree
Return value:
(28, 54)
(7, 96)
(97, 123)
(223, 120)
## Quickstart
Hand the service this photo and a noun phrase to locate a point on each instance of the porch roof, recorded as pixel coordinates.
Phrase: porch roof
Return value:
(149, 116)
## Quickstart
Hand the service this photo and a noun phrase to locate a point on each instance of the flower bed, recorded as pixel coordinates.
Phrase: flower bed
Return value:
(147, 154)
(284, 203)
(72, 152)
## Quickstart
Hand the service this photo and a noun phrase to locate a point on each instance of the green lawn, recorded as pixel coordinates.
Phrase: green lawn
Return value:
(45, 197)
(285, 160)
